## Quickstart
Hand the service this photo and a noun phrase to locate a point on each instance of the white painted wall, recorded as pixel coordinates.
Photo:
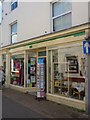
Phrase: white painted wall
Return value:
(79, 13)
(34, 18)
(7, 20)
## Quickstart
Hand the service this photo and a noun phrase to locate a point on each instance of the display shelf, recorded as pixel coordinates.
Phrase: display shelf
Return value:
(61, 86)
(15, 71)
(61, 77)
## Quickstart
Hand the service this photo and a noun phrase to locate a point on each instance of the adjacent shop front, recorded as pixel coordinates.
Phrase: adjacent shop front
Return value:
(23, 69)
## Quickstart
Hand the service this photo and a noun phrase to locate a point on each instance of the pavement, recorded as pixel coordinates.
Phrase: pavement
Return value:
(12, 109)
(45, 108)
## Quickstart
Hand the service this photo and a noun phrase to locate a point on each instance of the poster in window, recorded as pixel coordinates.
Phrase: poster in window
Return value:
(32, 70)
(73, 64)
(32, 61)
(17, 64)
(33, 79)
(28, 81)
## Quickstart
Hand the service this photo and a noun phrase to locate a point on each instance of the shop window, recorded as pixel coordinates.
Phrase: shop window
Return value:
(31, 79)
(17, 70)
(66, 72)
(61, 15)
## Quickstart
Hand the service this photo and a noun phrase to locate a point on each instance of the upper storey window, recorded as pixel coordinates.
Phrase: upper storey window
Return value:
(14, 5)
(61, 15)
(14, 33)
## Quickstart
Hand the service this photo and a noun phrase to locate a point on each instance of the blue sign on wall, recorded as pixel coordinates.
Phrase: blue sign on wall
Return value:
(86, 47)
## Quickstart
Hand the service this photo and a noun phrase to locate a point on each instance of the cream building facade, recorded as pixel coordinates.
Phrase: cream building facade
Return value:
(42, 49)
(35, 19)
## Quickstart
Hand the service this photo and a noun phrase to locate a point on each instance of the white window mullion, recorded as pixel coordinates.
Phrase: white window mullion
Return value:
(61, 15)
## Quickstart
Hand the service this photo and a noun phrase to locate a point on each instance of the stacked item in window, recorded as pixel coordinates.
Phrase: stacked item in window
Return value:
(60, 79)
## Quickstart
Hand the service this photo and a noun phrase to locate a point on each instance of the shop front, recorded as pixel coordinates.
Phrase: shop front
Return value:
(52, 65)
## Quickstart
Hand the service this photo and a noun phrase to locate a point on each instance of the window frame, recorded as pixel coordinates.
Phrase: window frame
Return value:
(59, 16)
(12, 4)
(13, 33)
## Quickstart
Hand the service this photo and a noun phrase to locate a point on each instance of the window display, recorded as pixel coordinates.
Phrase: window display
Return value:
(31, 81)
(61, 80)
(67, 66)
(17, 70)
